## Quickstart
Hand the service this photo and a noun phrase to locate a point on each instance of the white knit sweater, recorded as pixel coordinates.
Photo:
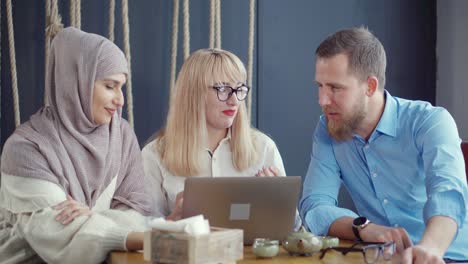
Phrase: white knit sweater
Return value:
(29, 233)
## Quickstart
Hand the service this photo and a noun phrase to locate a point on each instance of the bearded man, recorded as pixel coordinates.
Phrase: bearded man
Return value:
(400, 160)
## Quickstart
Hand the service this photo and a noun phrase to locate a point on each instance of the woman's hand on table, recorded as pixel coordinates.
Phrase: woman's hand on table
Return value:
(134, 241)
(176, 214)
(270, 171)
(70, 209)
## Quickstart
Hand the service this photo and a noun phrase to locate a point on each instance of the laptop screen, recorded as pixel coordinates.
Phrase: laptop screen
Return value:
(264, 207)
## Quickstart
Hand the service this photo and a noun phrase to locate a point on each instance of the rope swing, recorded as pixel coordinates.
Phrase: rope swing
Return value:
(186, 12)
(126, 32)
(53, 26)
(175, 32)
(215, 24)
(0, 68)
(111, 19)
(250, 52)
(212, 24)
(218, 24)
(75, 13)
(14, 79)
(215, 39)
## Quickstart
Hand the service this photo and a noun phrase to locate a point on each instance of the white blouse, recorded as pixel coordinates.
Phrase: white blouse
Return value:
(166, 186)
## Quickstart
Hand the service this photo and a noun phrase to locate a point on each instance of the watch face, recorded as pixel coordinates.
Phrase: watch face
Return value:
(360, 221)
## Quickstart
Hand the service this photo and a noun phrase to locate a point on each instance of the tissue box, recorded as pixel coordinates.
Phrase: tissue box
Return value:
(219, 246)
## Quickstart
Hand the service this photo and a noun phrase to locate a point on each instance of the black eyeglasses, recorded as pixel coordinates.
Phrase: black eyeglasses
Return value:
(370, 250)
(225, 92)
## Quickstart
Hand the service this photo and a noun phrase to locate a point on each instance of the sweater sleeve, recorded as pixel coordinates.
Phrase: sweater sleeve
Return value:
(87, 239)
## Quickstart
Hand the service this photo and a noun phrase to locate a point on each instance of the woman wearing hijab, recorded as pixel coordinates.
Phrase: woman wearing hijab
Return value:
(208, 131)
(72, 180)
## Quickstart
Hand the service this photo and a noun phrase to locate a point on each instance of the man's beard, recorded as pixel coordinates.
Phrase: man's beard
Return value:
(342, 130)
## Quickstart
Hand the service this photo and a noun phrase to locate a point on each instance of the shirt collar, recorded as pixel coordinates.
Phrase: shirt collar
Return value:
(388, 122)
(226, 139)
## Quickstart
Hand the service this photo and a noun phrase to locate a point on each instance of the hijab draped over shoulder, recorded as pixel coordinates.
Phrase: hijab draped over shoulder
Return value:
(62, 144)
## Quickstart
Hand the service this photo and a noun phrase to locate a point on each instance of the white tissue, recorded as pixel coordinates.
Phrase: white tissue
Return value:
(195, 225)
(198, 228)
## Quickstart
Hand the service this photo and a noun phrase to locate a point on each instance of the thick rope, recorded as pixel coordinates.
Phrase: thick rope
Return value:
(53, 19)
(126, 32)
(46, 44)
(218, 24)
(212, 24)
(78, 13)
(53, 26)
(186, 11)
(47, 16)
(111, 19)
(14, 80)
(175, 32)
(72, 13)
(0, 69)
(75, 13)
(251, 51)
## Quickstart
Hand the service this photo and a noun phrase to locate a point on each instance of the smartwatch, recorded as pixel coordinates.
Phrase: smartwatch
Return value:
(359, 224)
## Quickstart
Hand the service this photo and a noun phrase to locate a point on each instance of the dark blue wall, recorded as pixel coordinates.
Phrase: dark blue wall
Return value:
(288, 31)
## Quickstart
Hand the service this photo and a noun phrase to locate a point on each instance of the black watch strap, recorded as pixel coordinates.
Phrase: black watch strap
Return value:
(356, 233)
(359, 224)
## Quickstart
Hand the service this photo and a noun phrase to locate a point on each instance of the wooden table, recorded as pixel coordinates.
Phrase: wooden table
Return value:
(332, 257)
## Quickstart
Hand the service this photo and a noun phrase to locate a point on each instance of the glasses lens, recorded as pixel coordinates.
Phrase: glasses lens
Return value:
(242, 92)
(388, 251)
(371, 254)
(223, 93)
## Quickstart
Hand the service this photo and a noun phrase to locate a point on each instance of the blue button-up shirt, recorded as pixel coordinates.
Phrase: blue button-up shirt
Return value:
(409, 170)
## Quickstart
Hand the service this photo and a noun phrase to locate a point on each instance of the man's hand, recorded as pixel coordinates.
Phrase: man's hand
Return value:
(420, 254)
(378, 233)
(438, 235)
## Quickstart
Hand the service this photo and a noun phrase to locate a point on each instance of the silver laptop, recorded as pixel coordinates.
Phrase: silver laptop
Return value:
(261, 206)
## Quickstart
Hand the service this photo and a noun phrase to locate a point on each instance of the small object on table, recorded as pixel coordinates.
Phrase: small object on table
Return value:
(265, 248)
(329, 241)
(302, 243)
(219, 246)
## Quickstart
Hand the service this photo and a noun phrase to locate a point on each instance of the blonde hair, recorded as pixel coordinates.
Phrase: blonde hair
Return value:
(182, 141)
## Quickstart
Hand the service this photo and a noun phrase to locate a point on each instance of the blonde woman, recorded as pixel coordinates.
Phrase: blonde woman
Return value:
(208, 131)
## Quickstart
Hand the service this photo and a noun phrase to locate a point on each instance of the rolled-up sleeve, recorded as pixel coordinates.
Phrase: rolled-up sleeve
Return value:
(444, 166)
(447, 203)
(318, 206)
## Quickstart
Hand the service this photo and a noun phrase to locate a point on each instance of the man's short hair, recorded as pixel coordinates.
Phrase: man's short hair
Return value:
(366, 55)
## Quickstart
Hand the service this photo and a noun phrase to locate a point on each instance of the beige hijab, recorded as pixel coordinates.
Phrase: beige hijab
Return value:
(62, 144)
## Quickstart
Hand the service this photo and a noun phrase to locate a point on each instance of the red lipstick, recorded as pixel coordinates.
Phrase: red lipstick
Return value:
(229, 112)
